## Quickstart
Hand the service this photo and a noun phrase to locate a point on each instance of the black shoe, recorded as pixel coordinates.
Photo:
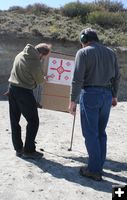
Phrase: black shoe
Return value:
(19, 153)
(32, 155)
(85, 172)
(39, 105)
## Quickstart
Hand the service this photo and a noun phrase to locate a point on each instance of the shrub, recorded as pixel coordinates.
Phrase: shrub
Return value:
(18, 9)
(76, 9)
(111, 6)
(106, 19)
(37, 8)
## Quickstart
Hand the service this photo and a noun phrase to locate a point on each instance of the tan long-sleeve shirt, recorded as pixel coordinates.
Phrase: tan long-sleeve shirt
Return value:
(27, 70)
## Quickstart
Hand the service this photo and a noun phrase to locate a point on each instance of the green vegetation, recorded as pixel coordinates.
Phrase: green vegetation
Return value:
(109, 18)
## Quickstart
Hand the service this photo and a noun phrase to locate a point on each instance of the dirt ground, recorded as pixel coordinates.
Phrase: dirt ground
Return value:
(56, 175)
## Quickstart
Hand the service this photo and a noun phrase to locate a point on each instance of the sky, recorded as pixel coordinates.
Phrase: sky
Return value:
(5, 4)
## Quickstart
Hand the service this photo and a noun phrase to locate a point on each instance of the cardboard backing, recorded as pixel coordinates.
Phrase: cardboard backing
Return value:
(55, 96)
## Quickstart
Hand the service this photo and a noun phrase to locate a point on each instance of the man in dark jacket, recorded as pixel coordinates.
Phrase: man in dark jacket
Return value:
(25, 75)
(96, 80)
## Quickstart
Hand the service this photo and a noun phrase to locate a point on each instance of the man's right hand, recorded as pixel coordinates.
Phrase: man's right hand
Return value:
(72, 107)
(114, 101)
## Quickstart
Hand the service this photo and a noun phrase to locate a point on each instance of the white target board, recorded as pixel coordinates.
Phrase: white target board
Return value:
(60, 71)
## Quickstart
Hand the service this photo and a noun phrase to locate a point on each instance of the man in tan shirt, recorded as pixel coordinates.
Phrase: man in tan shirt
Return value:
(25, 75)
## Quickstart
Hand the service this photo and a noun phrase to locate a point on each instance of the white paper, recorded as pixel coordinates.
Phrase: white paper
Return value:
(60, 71)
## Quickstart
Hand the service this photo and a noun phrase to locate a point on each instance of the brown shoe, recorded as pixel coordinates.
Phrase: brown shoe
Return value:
(85, 172)
(32, 155)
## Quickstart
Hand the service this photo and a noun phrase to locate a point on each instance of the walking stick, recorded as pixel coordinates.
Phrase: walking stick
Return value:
(72, 133)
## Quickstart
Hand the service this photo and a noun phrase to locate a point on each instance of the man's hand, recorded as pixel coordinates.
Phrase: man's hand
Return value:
(46, 78)
(6, 93)
(114, 101)
(72, 108)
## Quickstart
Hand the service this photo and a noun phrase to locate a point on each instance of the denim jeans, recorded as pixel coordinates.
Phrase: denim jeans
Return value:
(22, 101)
(95, 105)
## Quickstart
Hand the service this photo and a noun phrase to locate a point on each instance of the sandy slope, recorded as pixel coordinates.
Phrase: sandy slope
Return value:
(56, 176)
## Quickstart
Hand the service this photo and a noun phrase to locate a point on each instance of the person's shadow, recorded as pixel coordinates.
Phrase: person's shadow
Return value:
(71, 174)
(113, 166)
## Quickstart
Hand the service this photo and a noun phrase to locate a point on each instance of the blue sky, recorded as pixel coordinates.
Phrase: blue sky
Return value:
(5, 4)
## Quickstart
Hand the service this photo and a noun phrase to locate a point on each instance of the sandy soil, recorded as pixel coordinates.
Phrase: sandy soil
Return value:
(56, 175)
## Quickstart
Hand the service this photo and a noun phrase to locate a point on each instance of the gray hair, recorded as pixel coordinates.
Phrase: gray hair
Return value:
(88, 35)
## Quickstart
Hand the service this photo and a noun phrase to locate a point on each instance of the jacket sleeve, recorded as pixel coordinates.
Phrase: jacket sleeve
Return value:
(37, 72)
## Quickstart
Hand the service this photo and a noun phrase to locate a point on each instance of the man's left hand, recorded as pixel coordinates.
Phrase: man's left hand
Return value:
(6, 93)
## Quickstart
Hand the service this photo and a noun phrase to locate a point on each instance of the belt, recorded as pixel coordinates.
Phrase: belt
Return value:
(99, 86)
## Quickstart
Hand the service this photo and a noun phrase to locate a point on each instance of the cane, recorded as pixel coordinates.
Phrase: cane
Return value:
(72, 133)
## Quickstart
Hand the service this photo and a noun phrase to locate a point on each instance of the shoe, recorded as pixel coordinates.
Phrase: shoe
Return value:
(19, 153)
(84, 171)
(32, 155)
(39, 105)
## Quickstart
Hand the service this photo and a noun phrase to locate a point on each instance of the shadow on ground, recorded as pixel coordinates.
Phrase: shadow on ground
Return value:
(71, 173)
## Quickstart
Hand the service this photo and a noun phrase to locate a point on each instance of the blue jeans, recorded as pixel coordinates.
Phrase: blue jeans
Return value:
(22, 101)
(95, 105)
